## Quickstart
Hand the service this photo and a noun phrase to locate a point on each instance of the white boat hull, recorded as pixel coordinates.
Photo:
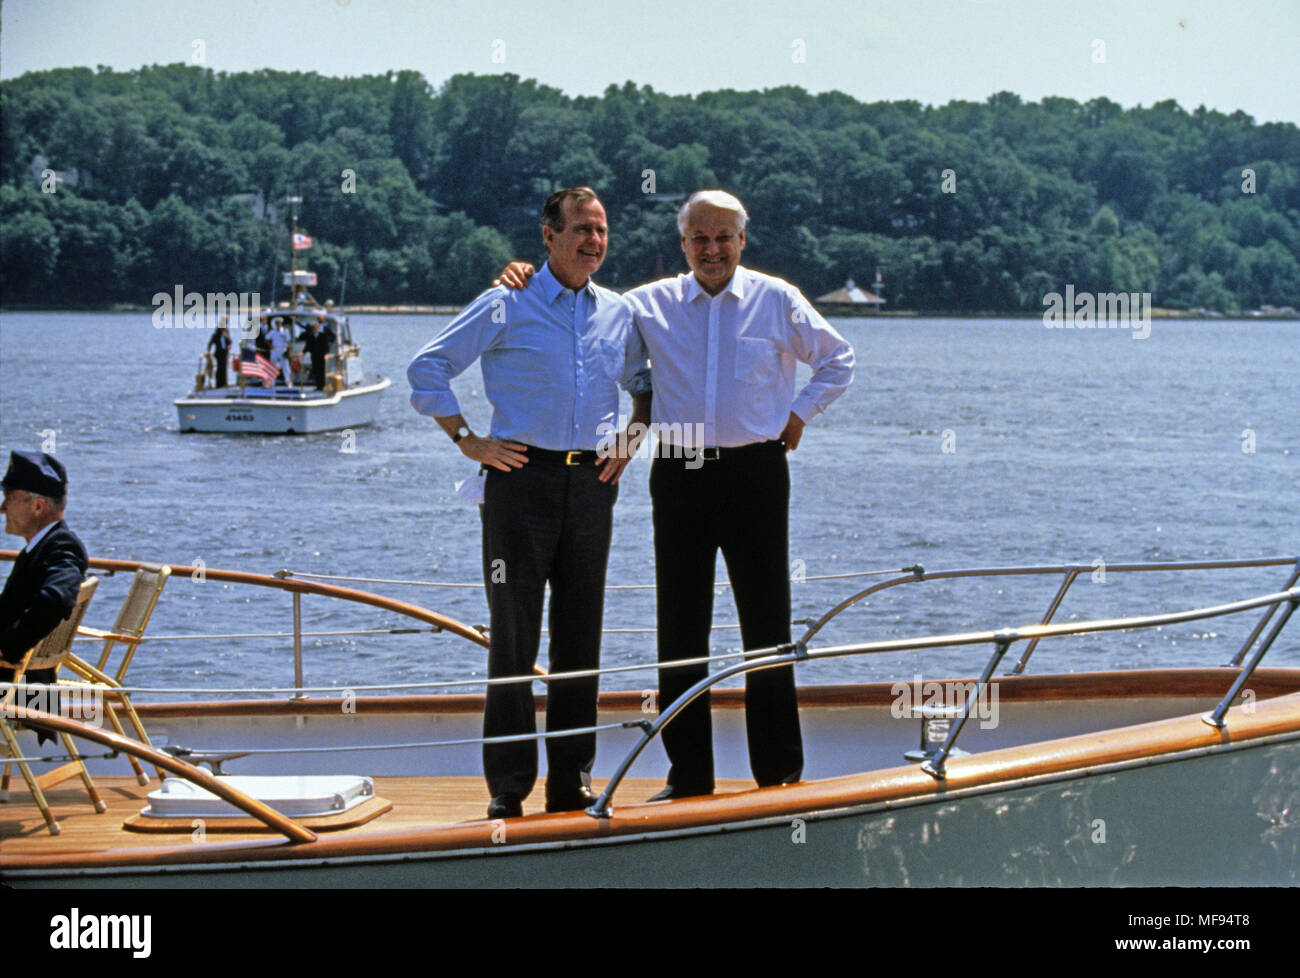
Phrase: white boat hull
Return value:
(218, 411)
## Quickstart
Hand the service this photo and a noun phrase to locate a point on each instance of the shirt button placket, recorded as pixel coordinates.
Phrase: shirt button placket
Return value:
(711, 374)
(575, 312)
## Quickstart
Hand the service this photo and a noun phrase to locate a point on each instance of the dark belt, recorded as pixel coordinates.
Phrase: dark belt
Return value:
(676, 453)
(576, 457)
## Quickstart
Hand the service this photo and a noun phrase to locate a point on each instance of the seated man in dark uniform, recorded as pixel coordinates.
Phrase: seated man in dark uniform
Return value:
(42, 587)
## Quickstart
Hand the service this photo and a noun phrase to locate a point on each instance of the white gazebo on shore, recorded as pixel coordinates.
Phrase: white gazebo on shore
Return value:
(852, 295)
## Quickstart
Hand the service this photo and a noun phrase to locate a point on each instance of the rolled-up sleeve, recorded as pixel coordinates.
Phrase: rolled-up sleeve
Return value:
(636, 368)
(452, 351)
(819, 345)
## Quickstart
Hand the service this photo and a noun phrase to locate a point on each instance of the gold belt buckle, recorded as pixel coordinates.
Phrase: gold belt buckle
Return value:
(570, 460)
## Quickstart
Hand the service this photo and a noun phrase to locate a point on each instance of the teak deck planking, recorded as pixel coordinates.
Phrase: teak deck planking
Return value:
(418, 802)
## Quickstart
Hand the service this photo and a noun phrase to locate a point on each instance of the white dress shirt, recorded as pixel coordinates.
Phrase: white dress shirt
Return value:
(727, 362)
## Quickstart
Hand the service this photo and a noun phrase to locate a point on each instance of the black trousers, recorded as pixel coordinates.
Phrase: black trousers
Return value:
(32, 677)
(544, 523)
(739, 504)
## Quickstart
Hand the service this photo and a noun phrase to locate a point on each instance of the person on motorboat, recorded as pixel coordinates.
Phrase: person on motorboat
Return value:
(317, 340)
(219, 345)
(279, 341)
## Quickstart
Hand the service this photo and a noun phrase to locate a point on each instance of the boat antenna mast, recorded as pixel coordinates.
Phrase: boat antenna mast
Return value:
(296, 287)
(298, 283)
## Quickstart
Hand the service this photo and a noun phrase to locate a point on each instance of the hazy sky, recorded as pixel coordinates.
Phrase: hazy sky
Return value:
(1227, 55)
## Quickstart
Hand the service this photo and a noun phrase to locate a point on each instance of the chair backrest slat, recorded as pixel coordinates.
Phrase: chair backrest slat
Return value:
(50, 651)
(137, 608)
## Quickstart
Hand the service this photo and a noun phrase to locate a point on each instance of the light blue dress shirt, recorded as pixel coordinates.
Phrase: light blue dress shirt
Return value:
(727, 362)
(553, 360)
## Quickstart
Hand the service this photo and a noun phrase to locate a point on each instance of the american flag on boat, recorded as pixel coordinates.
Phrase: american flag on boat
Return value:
(258, 366)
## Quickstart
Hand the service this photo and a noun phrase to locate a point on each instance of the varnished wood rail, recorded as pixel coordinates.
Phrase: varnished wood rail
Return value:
(292, 584)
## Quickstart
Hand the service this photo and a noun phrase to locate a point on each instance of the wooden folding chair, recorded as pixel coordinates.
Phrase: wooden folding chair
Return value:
(137, 608)
(49, 653)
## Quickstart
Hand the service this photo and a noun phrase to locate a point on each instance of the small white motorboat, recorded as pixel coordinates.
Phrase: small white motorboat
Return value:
(265, 401)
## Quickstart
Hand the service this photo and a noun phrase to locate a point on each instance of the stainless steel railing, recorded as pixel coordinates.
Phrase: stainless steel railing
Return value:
(918, 574)
(1284, 601)
(1001, 640)
(299, 584)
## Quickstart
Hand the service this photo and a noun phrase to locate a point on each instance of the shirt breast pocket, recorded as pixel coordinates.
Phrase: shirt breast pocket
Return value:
(610, 357)
(757, 359)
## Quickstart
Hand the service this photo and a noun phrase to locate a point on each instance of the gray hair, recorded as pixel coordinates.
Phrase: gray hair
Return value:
(714, 198)
(57, 503)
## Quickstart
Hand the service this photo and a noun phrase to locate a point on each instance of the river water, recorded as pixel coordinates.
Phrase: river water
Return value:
(962, 443)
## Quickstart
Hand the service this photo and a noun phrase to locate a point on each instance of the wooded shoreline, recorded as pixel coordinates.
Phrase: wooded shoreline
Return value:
(117, 185)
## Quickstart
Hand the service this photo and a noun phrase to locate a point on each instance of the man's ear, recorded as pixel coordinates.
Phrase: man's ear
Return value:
(548, 235)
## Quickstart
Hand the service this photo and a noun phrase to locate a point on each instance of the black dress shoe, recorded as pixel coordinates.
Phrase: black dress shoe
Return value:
(675, 791)
(571, 801)
(506, 806)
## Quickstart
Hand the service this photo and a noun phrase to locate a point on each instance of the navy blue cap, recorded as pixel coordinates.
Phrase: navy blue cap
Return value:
(36, 472)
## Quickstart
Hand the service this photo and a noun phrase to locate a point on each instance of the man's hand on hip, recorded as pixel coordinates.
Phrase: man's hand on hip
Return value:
(793, 432)
(503, 455)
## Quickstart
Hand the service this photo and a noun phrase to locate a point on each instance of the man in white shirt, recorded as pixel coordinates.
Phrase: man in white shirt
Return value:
(723, 343)
(280, 352)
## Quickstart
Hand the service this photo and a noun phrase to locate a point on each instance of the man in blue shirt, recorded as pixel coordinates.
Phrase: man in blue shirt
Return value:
(553, 357)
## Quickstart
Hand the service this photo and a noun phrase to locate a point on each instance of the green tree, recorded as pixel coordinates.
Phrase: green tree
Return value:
(29, 253)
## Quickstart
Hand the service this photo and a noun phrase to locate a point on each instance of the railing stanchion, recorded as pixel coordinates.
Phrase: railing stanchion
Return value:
(1001, 642)
(1215, 719)
(297, 645)
(1047, 618)
(1259, 626)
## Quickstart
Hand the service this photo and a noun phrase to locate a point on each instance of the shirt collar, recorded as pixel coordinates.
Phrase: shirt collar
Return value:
(551, 288)
(692, 290)
(31, 544)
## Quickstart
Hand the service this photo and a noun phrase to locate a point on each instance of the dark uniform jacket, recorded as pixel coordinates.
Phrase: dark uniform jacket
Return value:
(41, 591)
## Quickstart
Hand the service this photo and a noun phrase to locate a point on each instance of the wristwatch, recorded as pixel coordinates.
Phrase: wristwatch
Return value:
(461, 432)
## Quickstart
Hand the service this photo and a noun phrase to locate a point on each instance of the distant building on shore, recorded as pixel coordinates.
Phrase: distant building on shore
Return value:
(851, 297)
